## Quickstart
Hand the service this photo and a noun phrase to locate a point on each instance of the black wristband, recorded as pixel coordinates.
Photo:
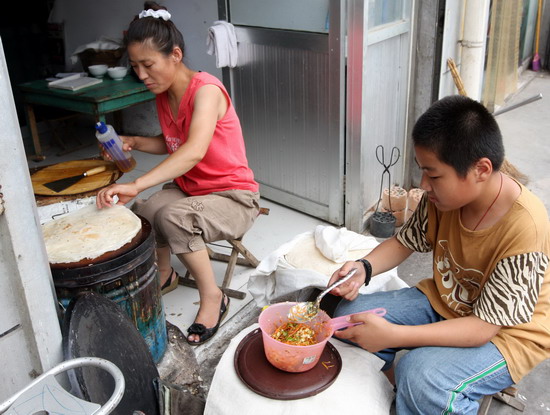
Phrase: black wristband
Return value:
(368, 270)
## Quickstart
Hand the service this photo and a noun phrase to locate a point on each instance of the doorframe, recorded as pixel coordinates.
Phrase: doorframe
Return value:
(359, 167)
(337, 85)
(357, 14)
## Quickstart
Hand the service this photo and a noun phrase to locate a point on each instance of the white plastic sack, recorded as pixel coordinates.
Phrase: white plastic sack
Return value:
(299, 264)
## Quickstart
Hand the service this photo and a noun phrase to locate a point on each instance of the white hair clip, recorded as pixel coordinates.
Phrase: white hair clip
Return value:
(163, 14)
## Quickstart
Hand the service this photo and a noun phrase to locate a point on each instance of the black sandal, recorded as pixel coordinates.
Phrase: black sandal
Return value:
(171, 283)
(204, 333)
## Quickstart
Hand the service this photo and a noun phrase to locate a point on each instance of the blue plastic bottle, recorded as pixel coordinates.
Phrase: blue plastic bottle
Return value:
(112, 144)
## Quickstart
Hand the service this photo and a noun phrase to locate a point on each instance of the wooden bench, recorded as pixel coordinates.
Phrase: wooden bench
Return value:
(508, 396)
(239, 255)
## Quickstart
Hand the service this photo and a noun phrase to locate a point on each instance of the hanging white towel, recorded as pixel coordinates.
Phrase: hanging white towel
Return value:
(222, 42)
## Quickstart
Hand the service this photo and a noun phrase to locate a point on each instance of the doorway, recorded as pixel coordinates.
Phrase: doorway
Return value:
(318, 85)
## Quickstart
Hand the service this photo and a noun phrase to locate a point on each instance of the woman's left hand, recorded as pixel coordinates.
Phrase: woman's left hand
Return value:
(125, 193)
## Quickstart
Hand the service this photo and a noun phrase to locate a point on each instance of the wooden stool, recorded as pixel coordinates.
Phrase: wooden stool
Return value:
(246, 259)
(508, 396)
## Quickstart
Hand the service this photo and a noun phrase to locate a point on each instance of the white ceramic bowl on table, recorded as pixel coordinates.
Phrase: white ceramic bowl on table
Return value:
(118, 72)
(97, 70)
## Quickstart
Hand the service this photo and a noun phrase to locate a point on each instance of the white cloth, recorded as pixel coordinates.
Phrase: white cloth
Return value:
(275, 276)
(334, 243)
(222, 41)
(103, 43)
(360, 388)
(157, 14)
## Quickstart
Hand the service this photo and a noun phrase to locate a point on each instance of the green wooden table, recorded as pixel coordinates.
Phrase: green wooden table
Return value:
(97, 100)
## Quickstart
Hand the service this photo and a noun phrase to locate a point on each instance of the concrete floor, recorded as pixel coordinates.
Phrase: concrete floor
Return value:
(524, 129)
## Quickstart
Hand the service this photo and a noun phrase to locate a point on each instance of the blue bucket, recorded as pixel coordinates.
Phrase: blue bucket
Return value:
(131, 280)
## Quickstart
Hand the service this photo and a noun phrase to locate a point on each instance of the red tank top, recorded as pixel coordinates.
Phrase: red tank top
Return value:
(224, 166)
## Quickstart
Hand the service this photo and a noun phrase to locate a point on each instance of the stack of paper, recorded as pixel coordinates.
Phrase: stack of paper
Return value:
(74, 82)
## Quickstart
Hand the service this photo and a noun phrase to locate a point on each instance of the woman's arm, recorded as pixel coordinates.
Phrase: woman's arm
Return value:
(206, 114)
(210, 106)
(151, 145)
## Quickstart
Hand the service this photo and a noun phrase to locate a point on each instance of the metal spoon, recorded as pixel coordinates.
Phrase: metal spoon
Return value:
(307, 310)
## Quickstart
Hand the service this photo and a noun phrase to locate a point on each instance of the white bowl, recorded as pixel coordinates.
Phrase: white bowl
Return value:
(118, 72)
(97, 70)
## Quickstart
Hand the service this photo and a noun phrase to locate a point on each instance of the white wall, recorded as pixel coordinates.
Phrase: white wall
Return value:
(87, 21)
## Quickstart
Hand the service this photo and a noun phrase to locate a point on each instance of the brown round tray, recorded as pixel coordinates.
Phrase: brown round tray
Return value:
(103, 257)
(259, 375)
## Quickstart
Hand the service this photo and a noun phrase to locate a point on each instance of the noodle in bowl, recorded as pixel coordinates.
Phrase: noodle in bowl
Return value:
(290, 357)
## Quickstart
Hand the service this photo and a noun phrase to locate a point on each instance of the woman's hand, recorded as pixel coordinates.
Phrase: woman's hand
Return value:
(128, 144)
(375, 334)
(125, 193)
(350, 289)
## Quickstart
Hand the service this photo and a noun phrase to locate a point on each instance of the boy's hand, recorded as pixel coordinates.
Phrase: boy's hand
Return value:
(350, 289)
(375, 334)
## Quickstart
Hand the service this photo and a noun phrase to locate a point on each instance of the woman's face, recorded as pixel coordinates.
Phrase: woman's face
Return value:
(156, 70)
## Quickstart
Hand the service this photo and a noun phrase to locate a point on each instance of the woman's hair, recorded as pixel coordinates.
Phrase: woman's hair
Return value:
(161, 34)
(460, 131)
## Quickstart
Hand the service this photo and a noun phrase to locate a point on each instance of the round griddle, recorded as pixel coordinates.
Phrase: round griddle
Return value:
(259, 375)
(95, 326)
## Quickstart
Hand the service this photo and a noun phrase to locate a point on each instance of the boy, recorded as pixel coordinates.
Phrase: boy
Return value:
(483, 321)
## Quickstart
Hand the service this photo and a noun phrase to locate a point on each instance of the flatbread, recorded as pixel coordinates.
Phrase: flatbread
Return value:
(89, 233)
(306, 255)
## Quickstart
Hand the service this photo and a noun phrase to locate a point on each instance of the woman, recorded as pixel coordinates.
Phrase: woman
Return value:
(213, 194)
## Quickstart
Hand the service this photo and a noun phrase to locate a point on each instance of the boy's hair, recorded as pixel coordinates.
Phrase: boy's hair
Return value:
(162, 34)
(460, 131)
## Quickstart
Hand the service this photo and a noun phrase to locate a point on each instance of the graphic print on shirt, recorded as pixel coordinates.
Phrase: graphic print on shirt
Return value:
(172, 144)
(462, 284)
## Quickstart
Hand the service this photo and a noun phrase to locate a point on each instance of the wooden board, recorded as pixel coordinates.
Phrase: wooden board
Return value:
(74, 168)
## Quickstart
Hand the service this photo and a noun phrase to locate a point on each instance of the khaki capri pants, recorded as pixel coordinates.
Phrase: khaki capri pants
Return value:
(186, 223)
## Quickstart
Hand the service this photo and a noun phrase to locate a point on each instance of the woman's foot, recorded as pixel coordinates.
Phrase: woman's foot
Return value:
(171, 282)
(211, 312)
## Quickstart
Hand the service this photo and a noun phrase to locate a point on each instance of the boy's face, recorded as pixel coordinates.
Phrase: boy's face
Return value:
(444, 187)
